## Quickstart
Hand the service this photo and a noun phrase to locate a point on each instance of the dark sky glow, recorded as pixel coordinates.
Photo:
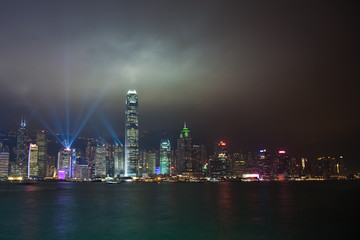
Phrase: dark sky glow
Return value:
(258, 73)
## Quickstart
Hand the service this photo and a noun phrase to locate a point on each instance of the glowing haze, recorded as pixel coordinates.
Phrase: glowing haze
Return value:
(257, 74)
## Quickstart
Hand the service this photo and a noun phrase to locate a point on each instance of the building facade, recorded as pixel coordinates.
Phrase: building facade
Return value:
(64, 164)
(33, 161)
(4, 164)
(21, 151)
(119, 160)
(41, 142)
(165, 160)
(220, 163)
(184, 155)
(131, 134)
(100, 161)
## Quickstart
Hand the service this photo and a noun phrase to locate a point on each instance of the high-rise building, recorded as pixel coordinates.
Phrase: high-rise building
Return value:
(33, 167)
(264, 164)
(90, 158)
(73, 162)
(220, 164)
(150, 162)
(305, 167)
(110, 161)
(184, 156)
(41, 142)
(165, 159)
(238, 164)
(100, 161)
(81, 171)
(4, 163)
(51, 170)
(119, 161)
(282, 165)
(199, 157)
(64, 164)
(131, 134)
(329, 167)
(21, 151)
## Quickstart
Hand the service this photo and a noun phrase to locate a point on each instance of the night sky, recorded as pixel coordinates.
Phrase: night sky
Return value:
(277, 74)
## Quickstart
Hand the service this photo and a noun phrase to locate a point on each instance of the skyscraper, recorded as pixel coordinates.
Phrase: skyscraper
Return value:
(4, 162)
(219, 165)
(264, 164)
(184, 145)
(33, 167)
(90, 158)
(150, 162)
(238, 164)
(100, 161)
(118, 160)
(131, 134)
(73, 162)
(21, 150)
(199, 156)
(64, 164)
(41, 142)
(165, 156)
(110, 161)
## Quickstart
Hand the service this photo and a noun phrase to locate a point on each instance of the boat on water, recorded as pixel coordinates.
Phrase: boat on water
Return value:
(113, 182)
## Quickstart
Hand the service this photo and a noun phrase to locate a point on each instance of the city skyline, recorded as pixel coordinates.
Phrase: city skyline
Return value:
(181, 162)
(190, 160)
(255, 76)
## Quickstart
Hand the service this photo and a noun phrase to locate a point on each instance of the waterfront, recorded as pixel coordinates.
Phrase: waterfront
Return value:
(256, 210)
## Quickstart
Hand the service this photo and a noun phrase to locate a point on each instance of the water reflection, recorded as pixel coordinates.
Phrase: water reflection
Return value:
(225, 203)
(63, 222)
(254, 202)
(29, 217)
(285, 205)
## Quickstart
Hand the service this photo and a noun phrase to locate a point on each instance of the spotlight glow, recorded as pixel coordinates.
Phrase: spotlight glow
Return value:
(110, 129)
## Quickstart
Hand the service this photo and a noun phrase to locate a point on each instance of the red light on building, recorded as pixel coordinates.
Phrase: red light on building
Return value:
(43, 131)
(222, 143)
(282, 152)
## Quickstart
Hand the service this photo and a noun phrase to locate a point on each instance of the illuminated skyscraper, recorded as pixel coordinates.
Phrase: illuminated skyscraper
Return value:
(199, 157)
(41, 142)
(238, 164)
(110, 161)
(165, 156)
(150, 162)
(4, 162)
(131, 134)
(264, 164)
(220, 164)
(184, 145)
(73, 162)
(90, 158)
(118, 160)
(33, 167)
(100, 161)
(21, 150)
(64, 164)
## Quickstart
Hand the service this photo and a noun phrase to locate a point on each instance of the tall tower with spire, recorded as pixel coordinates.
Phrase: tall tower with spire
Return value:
(131, 134)
(21, 150)
(184, 145)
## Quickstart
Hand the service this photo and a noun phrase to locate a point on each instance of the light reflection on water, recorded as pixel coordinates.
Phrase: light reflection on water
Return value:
(174, 211)
(63, 214)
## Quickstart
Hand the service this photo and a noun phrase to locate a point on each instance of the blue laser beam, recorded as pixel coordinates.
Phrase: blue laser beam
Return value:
(110, 129)
(92, 109)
